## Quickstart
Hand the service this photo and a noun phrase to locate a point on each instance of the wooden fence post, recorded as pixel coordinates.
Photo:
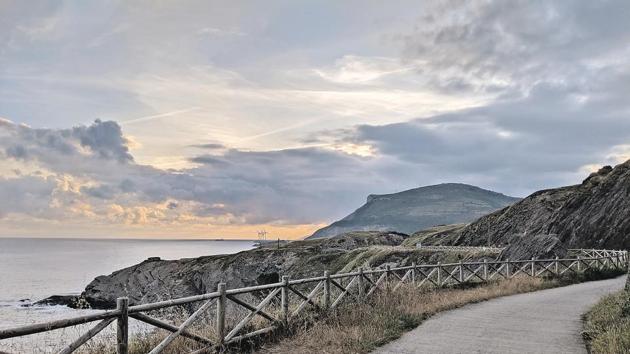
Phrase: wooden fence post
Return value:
(533, 267)
(361, 284)
(579, 263)
(557, 266)
(461, 272)
(507, 269)
(327, 290)
(413, 274)
(387, 270)
(485, 270)
(221, 302)
(285, 300)
(439, 274)
(616, 259)
(122, 327)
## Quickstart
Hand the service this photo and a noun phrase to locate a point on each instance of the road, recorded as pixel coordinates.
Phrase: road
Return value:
(546, 321)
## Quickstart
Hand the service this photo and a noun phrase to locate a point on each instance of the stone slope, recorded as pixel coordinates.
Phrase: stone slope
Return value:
(593, 214)
(419, 208)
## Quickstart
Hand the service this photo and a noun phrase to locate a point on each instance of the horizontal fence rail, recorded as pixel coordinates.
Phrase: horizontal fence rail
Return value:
(283, 301)
(459, 248)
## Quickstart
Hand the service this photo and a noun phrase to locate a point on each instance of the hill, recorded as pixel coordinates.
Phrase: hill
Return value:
(419, 208)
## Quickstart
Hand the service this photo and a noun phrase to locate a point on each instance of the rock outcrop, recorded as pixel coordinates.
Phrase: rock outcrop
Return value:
(593, 214)
(419, 208)
(155, 280)
(524, 247)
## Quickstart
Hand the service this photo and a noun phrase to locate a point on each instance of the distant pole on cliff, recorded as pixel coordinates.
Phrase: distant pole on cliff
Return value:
(262, 236)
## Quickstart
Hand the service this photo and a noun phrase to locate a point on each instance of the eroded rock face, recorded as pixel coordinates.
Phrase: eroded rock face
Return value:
(537, 246)
(594, 214)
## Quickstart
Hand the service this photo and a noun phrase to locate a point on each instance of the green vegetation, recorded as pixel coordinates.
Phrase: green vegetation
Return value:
(607, 325)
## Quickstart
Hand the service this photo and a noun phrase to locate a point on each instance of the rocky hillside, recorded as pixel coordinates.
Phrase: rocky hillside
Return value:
(593, 214)
(155, 279)
(419, 208)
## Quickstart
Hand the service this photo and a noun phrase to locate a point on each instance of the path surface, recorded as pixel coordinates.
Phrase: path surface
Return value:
(546, 321)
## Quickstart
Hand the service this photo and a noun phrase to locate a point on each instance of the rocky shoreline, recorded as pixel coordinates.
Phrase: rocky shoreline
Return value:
(156, 279)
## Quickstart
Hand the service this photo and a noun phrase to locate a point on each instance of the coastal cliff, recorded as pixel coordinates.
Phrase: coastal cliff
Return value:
(155, 280)
(593, 214)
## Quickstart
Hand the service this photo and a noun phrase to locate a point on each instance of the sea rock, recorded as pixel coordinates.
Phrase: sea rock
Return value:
(72, 301)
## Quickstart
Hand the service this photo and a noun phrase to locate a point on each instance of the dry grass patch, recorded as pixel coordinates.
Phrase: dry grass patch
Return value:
(359, 328)
(354, 327)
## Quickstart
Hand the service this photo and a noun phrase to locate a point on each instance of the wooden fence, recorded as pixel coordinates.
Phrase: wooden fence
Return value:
(459, 248)
(290, 297)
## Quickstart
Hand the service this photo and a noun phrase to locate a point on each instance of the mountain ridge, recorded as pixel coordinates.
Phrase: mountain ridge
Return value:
(418, 208)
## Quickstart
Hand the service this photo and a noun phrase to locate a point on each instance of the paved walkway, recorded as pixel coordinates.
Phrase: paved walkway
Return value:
(546, 321)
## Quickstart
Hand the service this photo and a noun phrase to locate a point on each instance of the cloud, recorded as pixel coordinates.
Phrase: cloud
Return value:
(103, 140)
(288, 186)
(352, 69)
(516, 146)
(210, 146)
(292, 130)
(160, 115)
(212, 31)
(496, 46)
(29, 195)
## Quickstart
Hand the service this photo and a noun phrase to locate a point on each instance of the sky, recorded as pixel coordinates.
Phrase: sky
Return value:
(199, 119)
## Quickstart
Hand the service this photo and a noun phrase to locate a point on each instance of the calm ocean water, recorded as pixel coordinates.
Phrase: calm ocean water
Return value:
(33, 269)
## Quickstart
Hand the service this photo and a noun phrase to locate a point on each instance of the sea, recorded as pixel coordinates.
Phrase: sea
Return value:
(32, 269)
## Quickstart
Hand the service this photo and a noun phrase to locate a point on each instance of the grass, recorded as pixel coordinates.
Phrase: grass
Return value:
(355, 327)
(360, 328)
(607, 325)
